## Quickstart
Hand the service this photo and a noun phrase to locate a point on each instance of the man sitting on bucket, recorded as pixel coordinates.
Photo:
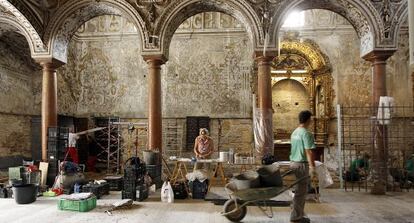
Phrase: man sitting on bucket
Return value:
(302, 164)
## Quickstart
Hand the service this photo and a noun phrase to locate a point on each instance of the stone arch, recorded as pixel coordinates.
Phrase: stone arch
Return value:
(310, 51)
(361, 14)
(401, 17)
(176, 14)
(74, 13)
(15, 21)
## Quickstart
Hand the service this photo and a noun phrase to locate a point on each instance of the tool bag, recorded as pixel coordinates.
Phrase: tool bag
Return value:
(180, 190)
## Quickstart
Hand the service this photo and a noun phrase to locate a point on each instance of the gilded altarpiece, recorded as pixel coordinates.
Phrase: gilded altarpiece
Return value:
(304, 63)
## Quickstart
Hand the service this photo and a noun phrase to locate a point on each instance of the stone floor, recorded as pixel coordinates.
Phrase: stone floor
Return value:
(336, 206)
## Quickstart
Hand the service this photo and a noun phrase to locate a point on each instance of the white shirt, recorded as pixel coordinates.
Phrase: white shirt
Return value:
(72, 139)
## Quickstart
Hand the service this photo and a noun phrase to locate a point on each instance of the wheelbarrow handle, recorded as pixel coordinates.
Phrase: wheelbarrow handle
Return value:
(287, 173)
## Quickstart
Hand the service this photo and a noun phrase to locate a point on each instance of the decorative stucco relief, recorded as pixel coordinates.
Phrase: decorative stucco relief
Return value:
(29, 30)
(105, 73)
(398, 74)
(72, 24)
(16, 93)
(177, 12)
(213, 81)
(104, 77)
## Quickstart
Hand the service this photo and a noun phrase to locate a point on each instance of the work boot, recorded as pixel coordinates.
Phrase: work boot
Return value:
(303, 220)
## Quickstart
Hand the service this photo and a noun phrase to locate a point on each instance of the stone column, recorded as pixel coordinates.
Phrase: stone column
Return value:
(49, 102)
(265, 111)
(154, 102)
(380, 151)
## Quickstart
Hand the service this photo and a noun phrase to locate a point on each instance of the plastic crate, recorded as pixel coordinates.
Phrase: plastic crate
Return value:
(16, 172)
(63, 133)
(97, 189)
(153, 170)
(80, 206)
(115, 182)
(129, 195)
(141, 192)
(53, 132)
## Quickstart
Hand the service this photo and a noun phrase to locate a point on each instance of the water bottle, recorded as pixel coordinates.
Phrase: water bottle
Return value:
(76, 188)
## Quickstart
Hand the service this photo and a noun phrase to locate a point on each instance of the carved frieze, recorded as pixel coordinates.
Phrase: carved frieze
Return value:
(32, 11)
(71, 24)
(375, 21)
(24, 23)
(265, 9)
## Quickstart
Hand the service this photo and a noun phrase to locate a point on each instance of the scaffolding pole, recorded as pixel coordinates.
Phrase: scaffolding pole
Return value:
(339, 148)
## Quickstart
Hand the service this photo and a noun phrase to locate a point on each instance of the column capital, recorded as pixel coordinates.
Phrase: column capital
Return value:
(49, 63)
(158, 59)
(378, 55)
(266, 57)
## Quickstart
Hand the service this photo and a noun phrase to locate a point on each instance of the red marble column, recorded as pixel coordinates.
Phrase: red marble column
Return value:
(264, 93)
(154, 102)
(380, 152)
(49, 102)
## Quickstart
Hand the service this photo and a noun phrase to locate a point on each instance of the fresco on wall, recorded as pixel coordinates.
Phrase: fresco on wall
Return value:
(106, 75)
(17, 99)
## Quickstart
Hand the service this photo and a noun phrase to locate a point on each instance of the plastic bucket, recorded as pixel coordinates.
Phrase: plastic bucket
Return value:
(150, 157)
(270, 176)
(224, 156)
(25, 194)
(249, 179)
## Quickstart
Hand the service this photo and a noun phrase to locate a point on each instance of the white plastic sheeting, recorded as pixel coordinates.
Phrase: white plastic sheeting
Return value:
(263, 131)
(385, 109)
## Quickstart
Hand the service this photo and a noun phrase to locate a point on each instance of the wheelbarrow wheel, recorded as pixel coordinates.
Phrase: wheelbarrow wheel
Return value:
(236, 216)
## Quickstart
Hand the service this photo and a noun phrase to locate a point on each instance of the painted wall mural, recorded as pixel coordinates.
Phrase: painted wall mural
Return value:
(105, 74)
(17, 99)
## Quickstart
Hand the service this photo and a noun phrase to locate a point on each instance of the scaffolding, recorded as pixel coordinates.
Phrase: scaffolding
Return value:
(359, 130)
(115, 140)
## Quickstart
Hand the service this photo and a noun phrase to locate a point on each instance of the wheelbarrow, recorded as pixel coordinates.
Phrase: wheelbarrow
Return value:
(235, 209)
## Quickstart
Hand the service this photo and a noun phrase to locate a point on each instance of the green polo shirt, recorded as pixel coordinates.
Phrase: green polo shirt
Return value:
(359, 163)
(300, 140)
(410, 166)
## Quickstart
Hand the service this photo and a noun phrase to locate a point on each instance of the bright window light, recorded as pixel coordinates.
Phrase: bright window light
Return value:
(278, 71)
(299, 71)
(295, 19)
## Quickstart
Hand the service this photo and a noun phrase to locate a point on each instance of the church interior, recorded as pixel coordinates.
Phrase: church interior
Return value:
(184, 110)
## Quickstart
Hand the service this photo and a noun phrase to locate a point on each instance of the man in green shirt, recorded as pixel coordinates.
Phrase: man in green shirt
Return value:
(409, 167)
(302, 163)
(359, 167)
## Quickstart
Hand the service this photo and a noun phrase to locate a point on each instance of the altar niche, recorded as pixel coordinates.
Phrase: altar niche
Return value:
(301, 80)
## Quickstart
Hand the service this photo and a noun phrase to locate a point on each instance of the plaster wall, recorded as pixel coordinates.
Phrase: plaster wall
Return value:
(18, 104)
(210, 70)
